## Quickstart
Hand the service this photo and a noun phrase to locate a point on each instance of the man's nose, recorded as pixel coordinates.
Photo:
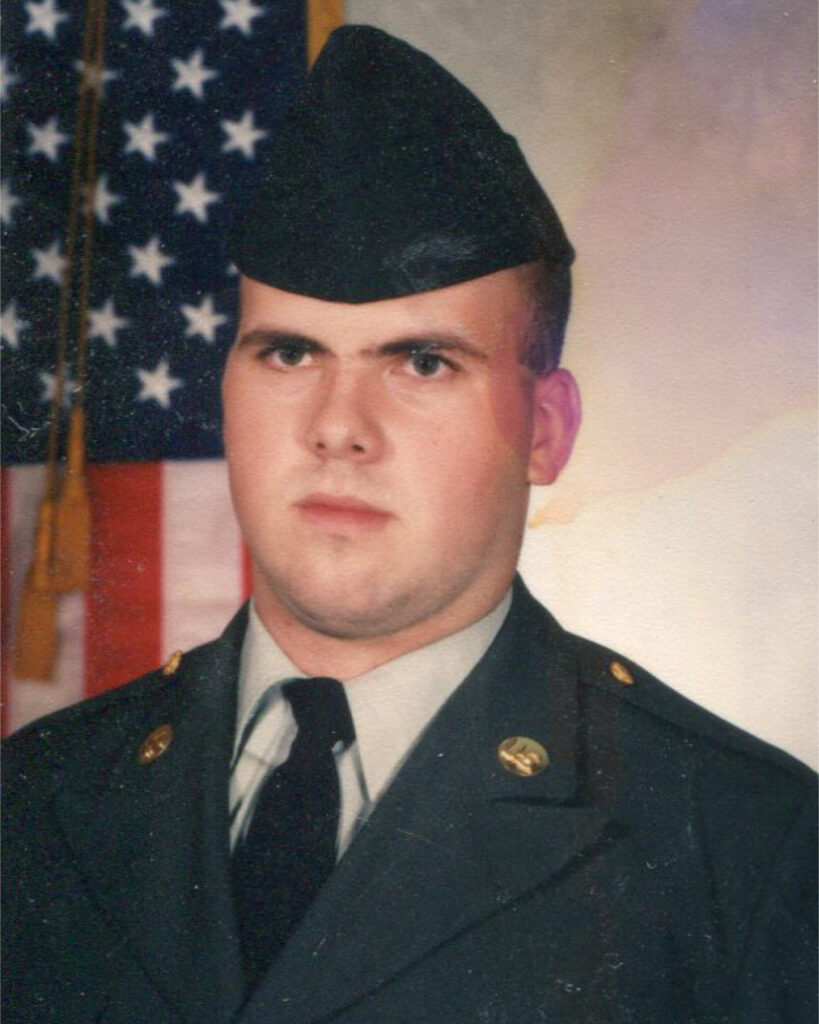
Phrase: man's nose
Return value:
(345, 423)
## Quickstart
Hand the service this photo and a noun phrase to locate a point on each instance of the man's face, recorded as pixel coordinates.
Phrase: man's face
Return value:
(380, 454)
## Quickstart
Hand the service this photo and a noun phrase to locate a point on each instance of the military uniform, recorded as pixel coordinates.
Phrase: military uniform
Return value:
(656, 865)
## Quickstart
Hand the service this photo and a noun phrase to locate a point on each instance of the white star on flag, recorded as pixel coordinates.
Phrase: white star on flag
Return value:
(8, 203)
(50, 263)
(46, 139)
(49, 382)
(44, 17)
(242, 135)
(96, 78)
(157, 384)
(104, 199)
(7, 78)
(148, 261)
(202, 320)
(239, 14)
(194, 198)
(144, 137)
(142, 14)
(11, 325)
(104, 323)
(192, 74)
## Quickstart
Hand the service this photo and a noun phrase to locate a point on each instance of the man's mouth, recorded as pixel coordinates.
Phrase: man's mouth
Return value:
(341, 512)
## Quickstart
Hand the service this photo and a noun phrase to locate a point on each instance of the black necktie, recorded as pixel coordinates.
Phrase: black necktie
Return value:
(290, 846)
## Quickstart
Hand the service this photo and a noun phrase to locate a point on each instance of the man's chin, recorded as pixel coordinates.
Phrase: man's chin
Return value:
(344, 620)
(355, 608)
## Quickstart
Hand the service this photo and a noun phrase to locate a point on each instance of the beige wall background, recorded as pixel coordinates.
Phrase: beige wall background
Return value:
(678, 140)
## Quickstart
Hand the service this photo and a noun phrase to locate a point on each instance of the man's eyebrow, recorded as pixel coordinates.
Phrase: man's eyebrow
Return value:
(268, 336)
(429, 343)
(433, 342)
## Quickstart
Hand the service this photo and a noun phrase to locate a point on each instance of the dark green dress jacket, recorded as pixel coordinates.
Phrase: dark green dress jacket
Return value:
(661, 869)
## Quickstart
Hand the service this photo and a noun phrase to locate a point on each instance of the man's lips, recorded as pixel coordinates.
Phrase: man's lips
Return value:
(340, 511)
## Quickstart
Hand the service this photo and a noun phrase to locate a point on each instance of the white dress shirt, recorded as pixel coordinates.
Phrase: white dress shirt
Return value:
(390, 706)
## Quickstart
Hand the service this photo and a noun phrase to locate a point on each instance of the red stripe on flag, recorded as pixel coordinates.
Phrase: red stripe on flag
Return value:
(5, 606)
(123, 625)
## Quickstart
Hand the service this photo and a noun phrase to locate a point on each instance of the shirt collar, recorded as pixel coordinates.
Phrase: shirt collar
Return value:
(397, 699)
(262, 663)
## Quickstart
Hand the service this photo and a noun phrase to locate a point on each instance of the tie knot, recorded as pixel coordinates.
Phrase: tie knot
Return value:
(321, 711)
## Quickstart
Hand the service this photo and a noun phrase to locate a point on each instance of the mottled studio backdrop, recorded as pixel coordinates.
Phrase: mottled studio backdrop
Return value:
(677, 139)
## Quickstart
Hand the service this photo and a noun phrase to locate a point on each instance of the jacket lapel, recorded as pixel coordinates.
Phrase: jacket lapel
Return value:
(151, 840)
(456, 839)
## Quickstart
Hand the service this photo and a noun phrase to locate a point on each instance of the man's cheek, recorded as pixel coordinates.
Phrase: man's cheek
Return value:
(510, 410)
(253, 431)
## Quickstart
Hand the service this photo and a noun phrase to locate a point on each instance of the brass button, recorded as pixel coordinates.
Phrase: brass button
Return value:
(522, 756)
(155, 745)
(172, 664)
(621, 673)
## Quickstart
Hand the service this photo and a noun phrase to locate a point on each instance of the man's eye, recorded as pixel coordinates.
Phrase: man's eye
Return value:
(287, 354)
(428, 364)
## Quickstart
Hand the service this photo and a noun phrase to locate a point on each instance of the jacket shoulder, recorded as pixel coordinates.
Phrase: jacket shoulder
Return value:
(38, 753)
(657, 706)
(38, 758)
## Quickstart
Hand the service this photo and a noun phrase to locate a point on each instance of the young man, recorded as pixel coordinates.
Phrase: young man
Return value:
(395, 789)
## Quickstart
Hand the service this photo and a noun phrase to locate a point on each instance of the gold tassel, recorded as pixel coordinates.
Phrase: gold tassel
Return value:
(323, 17)
(36, 640)
(71, 558)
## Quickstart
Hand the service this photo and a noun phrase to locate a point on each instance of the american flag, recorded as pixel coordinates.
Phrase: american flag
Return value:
(192, 90)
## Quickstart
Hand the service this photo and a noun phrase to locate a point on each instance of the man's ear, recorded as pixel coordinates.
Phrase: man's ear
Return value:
(556, 422)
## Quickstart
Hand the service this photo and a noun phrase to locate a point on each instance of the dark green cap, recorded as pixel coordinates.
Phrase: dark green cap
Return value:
(388, 178)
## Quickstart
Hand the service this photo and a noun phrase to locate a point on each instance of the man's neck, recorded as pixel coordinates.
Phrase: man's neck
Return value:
(319, 654)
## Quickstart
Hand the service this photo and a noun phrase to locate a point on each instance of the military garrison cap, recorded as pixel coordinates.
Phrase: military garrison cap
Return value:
(388, 178)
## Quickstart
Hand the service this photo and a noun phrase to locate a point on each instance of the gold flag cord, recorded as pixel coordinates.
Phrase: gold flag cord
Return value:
(71, 567)
(61, 543)
(64, 315)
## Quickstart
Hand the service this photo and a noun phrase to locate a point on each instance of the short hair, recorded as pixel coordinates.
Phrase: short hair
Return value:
(551, 291)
